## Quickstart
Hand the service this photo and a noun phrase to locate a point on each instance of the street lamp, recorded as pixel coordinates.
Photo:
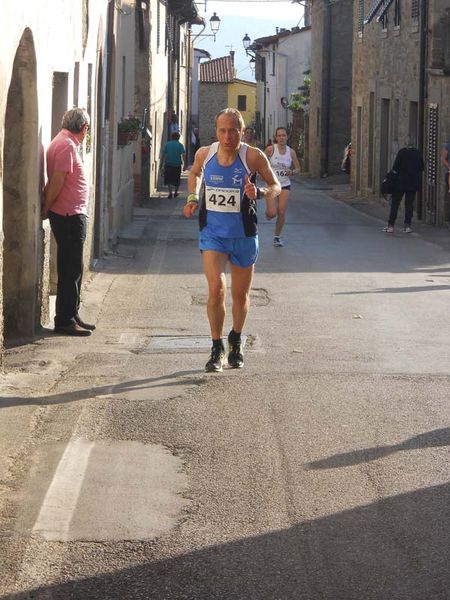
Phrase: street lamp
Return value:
(246, 41)
(214, 23)
(252, 63)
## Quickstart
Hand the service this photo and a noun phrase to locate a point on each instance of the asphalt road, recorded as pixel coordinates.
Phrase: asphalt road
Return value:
(318, 472)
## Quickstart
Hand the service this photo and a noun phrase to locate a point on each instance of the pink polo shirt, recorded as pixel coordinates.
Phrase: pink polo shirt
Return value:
(62, 155)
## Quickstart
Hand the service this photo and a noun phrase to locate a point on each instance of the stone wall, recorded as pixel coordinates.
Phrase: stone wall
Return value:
(213, 98)
(387, 99)
(385, 83)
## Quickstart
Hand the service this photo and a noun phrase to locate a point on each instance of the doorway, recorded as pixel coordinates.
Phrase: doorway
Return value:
(384, 139)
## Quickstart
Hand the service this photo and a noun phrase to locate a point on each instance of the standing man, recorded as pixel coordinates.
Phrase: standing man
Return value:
(408, 165)
(285, 163)
(65, 205)
(223, 174)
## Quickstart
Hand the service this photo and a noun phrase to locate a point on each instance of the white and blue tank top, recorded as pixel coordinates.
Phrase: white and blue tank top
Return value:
(225, 210)
(281, 164)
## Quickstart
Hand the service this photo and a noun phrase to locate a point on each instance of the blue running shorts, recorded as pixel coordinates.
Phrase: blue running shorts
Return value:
(242, 252)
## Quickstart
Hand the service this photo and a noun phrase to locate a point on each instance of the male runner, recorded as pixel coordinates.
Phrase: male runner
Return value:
(223, 173)
(282, 158)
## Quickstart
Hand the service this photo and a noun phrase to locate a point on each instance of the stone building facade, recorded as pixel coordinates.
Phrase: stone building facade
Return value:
(59, 54)
(400, 91)
(436, 197)
(386, 90)
(331, 85)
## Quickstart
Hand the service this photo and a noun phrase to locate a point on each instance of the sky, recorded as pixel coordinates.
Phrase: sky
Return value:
(258, 18)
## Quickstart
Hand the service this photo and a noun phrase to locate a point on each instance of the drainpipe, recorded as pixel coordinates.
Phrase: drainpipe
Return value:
(423, 94)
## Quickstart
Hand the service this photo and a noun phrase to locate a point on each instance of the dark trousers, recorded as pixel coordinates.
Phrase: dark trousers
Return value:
(70, 234)
(409, 207)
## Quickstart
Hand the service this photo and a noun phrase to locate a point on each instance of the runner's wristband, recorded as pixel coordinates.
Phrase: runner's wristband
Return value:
(192, 198)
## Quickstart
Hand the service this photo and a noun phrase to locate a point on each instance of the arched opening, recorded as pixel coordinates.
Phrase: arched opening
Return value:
(21, 198)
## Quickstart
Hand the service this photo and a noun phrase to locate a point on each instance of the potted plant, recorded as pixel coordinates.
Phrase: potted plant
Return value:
(128, 129)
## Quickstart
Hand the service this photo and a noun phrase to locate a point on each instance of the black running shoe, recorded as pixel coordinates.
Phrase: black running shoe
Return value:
(235, 355)
(216, 361)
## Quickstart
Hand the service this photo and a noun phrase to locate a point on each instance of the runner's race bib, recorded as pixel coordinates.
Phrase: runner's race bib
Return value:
(281, 173)
(223, 199)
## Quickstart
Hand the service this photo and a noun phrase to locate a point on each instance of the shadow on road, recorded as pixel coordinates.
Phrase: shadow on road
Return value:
(431, 439)
(394, 549)
(171, 379)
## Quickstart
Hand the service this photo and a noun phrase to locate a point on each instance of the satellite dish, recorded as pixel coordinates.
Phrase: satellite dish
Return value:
(284, 102)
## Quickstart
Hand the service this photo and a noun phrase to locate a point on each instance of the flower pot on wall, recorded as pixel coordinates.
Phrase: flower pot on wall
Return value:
(134, 134)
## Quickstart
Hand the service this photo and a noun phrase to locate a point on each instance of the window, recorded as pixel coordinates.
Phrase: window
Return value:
(360, 17)
(242, 103)
(158, 26)
(432, 153)
(371, 140)
(76, 83)
(446, 36)
(124, 78)
(413, 121)
(397, 13)
(383, 17)
(415, 9)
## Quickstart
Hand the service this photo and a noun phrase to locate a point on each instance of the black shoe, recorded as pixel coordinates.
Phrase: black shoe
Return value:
(81, 323)
(176, 195)
(235, 355)
(170, 195)
(216, 361)
(72, 329)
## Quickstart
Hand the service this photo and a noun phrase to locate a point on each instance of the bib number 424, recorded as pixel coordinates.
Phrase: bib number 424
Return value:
(223, 200)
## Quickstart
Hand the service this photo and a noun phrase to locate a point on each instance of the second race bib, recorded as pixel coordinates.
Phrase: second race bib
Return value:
(223, 199)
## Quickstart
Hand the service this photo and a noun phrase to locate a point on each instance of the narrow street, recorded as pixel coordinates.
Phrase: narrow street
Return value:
(318, 472)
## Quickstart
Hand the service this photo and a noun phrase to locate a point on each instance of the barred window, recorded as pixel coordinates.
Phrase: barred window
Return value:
(432, 153)
(360, 16)
(415, 9)
(158, 26)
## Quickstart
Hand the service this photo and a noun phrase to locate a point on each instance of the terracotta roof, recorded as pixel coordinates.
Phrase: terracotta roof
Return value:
(218, 70)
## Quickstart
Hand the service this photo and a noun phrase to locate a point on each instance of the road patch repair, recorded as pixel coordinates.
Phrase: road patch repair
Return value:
(105, 490)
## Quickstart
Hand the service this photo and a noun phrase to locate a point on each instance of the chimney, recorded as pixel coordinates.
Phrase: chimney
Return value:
(232, 57)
